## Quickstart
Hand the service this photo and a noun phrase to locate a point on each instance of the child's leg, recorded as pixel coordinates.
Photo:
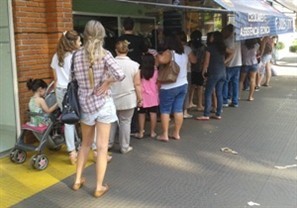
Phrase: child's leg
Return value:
(153, 120)
(141, 123)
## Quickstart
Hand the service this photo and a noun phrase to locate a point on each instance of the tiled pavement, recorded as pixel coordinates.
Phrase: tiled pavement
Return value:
(193, 172)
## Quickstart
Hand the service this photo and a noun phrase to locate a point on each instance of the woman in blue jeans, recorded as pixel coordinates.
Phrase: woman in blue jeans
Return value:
(172, 95)
(215, 73)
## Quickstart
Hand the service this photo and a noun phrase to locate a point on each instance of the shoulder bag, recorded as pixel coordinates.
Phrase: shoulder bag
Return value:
(71, 107)
(168, 72)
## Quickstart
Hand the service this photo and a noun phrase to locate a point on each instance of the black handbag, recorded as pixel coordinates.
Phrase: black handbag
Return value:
(71, 107)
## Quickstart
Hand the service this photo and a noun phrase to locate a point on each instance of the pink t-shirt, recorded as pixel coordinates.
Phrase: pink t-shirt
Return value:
(150, 91)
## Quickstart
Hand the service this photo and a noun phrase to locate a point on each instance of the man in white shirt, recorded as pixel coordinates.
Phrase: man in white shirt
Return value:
(231, 86)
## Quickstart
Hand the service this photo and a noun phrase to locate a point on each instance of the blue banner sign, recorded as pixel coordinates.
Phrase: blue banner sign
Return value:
(256, 18)
(253, 25)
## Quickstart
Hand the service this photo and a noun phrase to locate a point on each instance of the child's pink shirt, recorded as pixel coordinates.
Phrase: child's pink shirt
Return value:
(150, 91)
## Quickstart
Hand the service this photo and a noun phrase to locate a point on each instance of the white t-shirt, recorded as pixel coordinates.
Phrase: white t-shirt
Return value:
(236, 46)
(182, 61)
(63, 73)
(249, 55)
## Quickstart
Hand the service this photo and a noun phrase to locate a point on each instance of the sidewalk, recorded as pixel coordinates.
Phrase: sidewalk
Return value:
(194, 172)
(286, 66)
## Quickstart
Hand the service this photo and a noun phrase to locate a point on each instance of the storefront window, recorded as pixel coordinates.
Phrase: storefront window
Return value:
(113, 25)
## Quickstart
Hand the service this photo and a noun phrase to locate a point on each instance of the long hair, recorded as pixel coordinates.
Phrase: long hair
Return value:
(67, 43)
(219, 42)
(94, 34)
(209, 36)
(147, 67)
(173, 42)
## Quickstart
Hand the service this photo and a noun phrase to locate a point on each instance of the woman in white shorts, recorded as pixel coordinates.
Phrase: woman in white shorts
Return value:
(265, 63)
(95, 69)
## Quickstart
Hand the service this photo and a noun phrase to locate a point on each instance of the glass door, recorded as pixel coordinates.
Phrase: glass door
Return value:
(8, 124)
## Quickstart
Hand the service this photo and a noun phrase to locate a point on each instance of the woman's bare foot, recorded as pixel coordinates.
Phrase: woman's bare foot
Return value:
(153, 135)
(162, 138)
(192, 105)
(101, 191)
(139, 135)
(200, 108)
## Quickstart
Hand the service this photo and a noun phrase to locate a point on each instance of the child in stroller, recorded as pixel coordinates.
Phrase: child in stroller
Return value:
(37, 104)
(44, 124)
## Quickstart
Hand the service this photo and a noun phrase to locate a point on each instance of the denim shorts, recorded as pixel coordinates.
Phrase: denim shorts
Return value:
(172, 100)
(266, 58)
(250, 68)
(107, 114)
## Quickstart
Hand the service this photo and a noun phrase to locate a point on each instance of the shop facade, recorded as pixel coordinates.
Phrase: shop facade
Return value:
(30, 30)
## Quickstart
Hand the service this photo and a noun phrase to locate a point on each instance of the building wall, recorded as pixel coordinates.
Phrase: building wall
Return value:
(38, 24)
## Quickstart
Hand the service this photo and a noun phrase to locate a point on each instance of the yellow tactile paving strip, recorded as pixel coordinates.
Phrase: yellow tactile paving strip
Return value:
(20, 181)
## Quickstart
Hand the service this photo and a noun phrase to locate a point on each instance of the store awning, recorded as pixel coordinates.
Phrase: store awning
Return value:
(253, 18)
(174, 6)
(256, 18)
(289, 4)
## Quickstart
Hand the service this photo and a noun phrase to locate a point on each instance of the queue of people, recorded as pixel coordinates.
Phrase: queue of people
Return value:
(117, 93)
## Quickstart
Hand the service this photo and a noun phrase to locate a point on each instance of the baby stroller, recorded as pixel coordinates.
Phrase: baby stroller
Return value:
(51, 136)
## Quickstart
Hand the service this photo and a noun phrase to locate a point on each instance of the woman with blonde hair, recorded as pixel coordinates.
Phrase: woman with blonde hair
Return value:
(61, 65)
(95, 69)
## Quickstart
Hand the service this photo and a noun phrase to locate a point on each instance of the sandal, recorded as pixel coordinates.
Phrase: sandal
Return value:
(216, 117)
(77, 186)
(138, 136)
(73, 157)
(97, 194)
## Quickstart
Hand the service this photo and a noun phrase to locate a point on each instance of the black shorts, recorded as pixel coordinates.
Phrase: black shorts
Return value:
(153, 109)
(197, 79)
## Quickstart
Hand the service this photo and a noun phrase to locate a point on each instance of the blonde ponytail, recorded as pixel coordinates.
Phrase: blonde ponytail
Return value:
(94, 39)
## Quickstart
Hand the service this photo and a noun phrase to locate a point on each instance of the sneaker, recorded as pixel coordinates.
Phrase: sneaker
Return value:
(225, 105)
(233, 105)
(129, 149)
(257, 88)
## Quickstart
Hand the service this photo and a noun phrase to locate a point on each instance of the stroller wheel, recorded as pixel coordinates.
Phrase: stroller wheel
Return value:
(40, 162)
(11, 155)
(18, 156)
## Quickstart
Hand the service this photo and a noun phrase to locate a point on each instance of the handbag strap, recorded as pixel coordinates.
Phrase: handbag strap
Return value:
(172, 54)
(72, 67)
